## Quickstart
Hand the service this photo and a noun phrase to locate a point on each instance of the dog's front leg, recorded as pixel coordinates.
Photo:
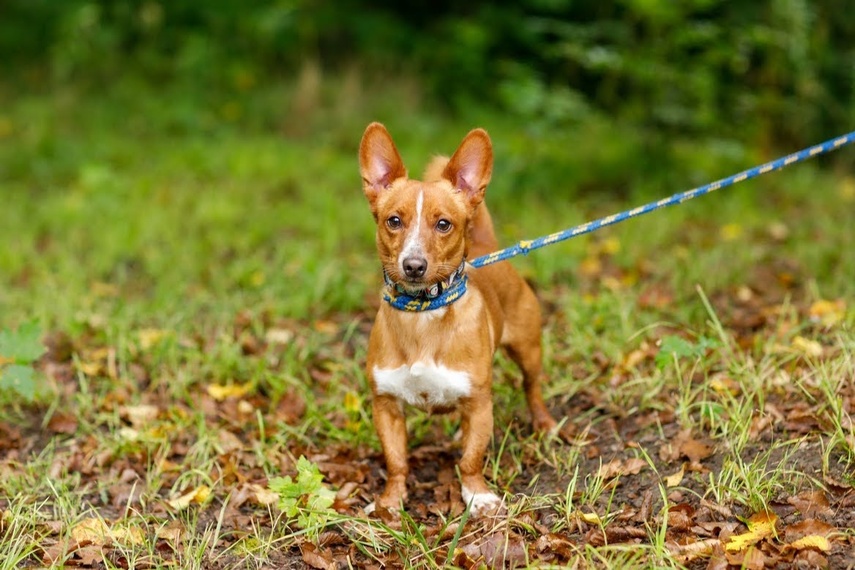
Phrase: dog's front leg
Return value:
(477, 428)
(392, 430)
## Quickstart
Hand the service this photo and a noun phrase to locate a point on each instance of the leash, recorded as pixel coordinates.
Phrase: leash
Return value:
(525, 246)
(404, 302)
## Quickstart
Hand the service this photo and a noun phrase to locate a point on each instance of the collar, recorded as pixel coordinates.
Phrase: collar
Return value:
(436, 296)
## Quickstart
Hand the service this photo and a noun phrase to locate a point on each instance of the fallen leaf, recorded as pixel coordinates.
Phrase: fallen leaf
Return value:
(811, 503)
(590, 518)
(317, 557)
(62, 422)
(617, 467)
(498, 550)
(693, 550)
(139, 415)
(827, 313)
(198, 495)
(695, 450)
(808, 527)
(807, 346)
(221, 392)
(760, 526)
(730, 232)
(675, 478)
(278, 336)
(150, 337)
(814, 541)
(91, 530)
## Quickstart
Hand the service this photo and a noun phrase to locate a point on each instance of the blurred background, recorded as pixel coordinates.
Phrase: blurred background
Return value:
(153, 145)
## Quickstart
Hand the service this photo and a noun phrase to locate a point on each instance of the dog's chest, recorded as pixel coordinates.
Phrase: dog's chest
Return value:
(425, 385)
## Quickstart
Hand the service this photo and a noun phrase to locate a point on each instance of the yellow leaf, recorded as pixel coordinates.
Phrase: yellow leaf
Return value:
(676, 478)
(92, 530)
(590, 267)
(150, 337)
(257, 278)
(807, 346)
(590, 518)
(812, 541)
(731, 232)
(220, 393)
(352, 403)
(847, 189)
(198, 495)
(828, 313)
(724, 385)
(760, 526)
(610, 245)
(127, 535)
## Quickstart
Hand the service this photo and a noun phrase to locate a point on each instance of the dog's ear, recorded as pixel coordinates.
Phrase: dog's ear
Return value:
(471, 165)
(379, 161)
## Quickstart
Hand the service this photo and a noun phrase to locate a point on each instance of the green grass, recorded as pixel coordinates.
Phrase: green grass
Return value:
(170, 232)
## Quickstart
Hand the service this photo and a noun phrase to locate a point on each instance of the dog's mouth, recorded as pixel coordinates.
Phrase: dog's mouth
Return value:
(431, 283)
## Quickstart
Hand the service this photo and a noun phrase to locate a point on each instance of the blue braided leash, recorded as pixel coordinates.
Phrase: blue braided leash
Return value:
(526, 246)
(404, 302)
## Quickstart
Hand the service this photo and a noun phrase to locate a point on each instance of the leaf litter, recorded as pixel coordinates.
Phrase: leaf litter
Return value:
(655, 472)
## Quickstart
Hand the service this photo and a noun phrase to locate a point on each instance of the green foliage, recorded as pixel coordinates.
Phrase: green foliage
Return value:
(18, 350)
(750, 72)
(678, 347)
(306, 500)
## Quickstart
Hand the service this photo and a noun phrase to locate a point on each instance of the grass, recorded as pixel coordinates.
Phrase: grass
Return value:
(185, 242)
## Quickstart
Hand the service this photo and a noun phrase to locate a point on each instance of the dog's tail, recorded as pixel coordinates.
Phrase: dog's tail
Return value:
(482, 238)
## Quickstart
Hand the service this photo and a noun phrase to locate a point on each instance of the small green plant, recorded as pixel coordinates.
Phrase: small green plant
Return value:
(18, 350)
(305, 499)
(675, 347)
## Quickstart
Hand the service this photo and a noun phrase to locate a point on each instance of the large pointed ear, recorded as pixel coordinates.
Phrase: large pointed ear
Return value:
(471, 165)
(379, 161)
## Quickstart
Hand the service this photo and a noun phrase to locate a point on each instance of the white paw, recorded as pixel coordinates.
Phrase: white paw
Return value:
(370, 508)
(480, 503)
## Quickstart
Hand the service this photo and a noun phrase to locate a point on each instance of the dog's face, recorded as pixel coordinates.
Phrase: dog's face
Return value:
(423, 226)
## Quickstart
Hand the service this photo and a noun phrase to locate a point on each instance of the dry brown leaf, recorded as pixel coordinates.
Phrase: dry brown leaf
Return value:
(497, 550)
(699, 549)
(317, 557)
(750, 559)
(62, 422)
(618, 467)
(808, 527)
(811, 503)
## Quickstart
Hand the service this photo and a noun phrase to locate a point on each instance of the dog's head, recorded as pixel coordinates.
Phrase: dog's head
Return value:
(423, 226)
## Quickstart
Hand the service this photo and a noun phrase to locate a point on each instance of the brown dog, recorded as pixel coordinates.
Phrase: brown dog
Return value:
(440, 360)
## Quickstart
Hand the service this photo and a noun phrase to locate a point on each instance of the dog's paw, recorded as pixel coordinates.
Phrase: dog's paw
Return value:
(481, 504)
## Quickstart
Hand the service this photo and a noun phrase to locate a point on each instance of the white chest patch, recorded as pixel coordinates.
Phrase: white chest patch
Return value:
(424, 385)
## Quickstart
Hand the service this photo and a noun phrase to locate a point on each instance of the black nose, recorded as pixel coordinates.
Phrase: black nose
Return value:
(415, 267)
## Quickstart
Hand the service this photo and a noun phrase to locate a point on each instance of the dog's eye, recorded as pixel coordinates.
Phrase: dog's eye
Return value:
(394, 223)
(443, 226)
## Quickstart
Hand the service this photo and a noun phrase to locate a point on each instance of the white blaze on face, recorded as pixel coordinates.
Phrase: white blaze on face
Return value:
(413, 243)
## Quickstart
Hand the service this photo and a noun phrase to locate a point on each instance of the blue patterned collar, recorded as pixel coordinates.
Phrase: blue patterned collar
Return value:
(436, 296)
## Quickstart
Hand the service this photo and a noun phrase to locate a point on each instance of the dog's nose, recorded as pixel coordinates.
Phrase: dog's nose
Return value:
(415, 267)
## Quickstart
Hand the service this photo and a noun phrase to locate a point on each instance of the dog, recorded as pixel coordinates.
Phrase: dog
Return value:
(441, 359)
